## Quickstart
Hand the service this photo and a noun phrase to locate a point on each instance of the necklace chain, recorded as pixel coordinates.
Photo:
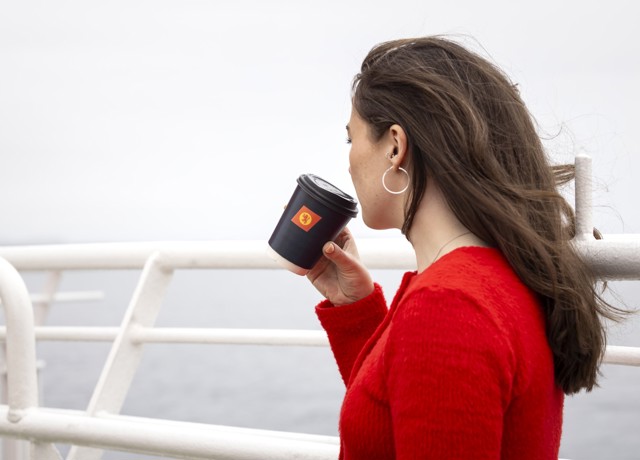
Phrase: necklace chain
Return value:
(446, 244)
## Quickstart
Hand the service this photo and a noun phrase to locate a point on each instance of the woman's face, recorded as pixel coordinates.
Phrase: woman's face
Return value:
(367, 163)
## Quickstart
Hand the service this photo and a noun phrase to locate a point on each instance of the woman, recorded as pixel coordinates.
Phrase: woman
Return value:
(502, 317)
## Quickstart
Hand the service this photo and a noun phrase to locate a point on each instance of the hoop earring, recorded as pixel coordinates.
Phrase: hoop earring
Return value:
(400, 191)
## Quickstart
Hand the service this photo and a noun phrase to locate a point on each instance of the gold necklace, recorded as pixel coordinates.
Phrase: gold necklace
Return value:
(447, 243)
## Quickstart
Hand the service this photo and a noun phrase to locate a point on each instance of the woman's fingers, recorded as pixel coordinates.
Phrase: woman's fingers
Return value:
(339, 275)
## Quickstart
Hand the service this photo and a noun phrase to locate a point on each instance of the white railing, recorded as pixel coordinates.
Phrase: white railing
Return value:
(101, 427)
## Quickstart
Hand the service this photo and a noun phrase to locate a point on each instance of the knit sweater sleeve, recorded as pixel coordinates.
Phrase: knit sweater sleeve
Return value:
(350, 326)
(449, 376)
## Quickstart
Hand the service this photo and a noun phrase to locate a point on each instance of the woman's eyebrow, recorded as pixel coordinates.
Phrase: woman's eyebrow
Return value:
(347, 128)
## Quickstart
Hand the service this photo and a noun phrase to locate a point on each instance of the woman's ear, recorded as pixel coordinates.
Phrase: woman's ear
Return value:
(399, 145)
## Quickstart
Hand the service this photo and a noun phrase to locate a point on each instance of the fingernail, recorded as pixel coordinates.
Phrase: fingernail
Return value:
(328, 248)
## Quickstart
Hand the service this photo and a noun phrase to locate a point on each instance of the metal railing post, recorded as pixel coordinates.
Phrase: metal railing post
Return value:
(126, 353)
(583, 198)
(22, 386)
(20, 346)
(42, 305)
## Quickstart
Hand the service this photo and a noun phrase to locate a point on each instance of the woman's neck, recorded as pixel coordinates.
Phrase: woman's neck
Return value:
(436, 231)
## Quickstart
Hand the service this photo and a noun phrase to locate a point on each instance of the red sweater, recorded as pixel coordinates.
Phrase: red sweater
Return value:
(458, 367)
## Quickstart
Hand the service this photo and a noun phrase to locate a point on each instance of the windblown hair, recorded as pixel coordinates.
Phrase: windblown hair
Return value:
(470, 132)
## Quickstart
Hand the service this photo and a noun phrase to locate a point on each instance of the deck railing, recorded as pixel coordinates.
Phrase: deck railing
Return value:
(101, 427)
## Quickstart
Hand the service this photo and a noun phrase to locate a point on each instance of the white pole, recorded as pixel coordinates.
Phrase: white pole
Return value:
(20, 344)
(20, 386)
(175, 440)
(583, 197)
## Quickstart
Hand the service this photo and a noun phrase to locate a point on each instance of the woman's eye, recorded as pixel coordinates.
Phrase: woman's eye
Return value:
(348, 140)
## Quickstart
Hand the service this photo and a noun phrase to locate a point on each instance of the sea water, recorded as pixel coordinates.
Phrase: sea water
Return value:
(276, 387)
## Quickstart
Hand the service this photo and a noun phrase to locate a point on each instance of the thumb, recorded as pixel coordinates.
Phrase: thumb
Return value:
(341, 258)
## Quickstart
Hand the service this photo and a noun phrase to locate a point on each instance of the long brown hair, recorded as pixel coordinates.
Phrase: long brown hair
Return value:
(469, 130)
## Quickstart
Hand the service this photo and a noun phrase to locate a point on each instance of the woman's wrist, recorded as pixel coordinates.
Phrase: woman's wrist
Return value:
(361, 294)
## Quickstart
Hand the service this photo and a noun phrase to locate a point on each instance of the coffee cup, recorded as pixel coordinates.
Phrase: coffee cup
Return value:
(316, 213)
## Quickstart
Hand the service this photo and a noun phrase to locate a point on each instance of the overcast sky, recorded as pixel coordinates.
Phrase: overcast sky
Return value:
(191, 120)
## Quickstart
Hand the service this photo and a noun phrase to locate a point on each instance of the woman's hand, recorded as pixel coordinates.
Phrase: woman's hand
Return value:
(339, 275)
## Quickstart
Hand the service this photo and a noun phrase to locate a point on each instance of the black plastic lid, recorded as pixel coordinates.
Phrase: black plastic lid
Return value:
(328, 194)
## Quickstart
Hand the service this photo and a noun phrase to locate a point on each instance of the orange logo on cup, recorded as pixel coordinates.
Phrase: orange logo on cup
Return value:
(306, 218)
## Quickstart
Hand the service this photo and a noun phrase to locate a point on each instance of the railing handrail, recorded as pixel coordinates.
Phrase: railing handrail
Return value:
(167, 438)
(615, 354)
(614, 257)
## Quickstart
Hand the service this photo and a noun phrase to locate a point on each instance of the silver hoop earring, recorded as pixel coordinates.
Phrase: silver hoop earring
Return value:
(400, 191)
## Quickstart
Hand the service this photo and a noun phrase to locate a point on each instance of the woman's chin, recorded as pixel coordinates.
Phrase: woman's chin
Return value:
(376, 223)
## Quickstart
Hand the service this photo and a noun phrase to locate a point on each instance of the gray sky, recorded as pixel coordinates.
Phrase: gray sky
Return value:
(183, 120)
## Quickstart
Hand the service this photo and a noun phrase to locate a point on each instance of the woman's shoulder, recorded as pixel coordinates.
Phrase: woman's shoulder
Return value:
(475, 275)
(465, 268)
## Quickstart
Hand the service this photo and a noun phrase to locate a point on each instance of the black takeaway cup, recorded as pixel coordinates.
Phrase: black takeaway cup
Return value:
(316, 213)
